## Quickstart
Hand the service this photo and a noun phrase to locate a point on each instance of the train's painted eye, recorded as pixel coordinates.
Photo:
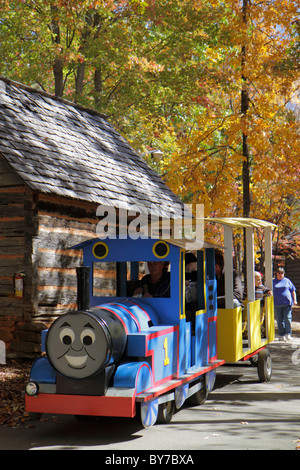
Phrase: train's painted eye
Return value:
(87, 337)
(67, 336)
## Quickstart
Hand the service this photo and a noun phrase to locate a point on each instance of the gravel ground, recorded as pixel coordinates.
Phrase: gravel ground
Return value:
(13, 377)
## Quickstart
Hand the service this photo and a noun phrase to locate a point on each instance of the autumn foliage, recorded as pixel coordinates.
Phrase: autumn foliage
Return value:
(214, 85)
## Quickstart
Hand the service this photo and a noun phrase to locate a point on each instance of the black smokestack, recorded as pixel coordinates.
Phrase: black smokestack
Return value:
(83, 287)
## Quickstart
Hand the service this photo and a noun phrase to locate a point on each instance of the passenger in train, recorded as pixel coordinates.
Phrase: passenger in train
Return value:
(237, 283)
(260, 290)
(157, 282)
(191, 289)
(191, 294)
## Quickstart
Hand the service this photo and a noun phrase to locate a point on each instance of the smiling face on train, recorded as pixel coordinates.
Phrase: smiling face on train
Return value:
(76, 345)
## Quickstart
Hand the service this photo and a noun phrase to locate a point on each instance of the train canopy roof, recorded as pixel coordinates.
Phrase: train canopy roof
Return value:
(240, 222)
(188, 245)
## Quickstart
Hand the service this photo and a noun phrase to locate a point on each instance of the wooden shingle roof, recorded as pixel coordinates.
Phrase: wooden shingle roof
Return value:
(61, 148)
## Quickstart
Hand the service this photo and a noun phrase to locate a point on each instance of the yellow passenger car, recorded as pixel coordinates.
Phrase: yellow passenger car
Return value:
(245, 331)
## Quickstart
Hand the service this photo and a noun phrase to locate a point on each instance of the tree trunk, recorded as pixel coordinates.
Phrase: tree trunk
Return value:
(92, 22)
(58, 77)
(58, 61)
(79, 81)
(244, 111)
(246, 178)
(98, 87)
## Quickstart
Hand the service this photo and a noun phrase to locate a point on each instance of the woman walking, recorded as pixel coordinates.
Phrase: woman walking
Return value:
(284, 299)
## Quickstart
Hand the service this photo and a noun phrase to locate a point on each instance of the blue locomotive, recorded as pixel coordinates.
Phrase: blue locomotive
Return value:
(134, 346)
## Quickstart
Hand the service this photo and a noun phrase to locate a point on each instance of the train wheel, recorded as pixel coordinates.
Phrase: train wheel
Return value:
(254, 360)
(264, 366)
(34, 415)
(165, 412)
(148, 413)
(199, 397)
(180, 395)
(210, 380)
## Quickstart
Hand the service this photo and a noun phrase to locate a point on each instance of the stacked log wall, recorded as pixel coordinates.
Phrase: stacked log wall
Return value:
(62, 224)
(17, 226)
(292, 268)
(37, 232)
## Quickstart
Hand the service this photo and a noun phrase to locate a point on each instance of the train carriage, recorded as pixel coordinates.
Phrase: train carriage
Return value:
(245, 331)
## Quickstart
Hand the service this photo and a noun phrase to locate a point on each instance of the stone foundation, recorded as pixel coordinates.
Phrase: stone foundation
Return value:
(22, 339)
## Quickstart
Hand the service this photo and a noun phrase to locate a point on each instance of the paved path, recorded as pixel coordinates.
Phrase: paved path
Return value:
(240, 414)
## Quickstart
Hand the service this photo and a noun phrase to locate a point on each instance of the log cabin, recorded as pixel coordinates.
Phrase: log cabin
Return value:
(59, 162)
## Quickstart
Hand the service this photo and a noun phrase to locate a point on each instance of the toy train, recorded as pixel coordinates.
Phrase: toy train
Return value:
(126, 353)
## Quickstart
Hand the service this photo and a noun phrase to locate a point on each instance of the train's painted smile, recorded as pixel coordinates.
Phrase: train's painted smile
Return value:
(76, 362)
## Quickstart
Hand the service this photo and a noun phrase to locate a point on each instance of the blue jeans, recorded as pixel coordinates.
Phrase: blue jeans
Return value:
(284, 319)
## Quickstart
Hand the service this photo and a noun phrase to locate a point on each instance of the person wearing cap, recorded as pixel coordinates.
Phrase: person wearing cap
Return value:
(191, 288)
(191, 277)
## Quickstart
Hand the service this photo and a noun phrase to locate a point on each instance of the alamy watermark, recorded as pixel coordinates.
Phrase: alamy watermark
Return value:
(2, 353)
(296, 354)
(2, 92)
(181, 222)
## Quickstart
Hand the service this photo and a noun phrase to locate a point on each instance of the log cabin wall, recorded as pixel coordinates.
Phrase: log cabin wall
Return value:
(292, 268)
(17, 227)
(37, 232)
(62, 223)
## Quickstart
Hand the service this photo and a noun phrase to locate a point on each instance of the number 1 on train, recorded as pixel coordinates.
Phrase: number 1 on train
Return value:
(166, 360)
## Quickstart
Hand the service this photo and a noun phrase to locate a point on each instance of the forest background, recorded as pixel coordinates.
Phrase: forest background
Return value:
(214, 85)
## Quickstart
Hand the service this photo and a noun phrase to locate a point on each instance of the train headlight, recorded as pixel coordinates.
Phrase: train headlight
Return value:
(32, 389)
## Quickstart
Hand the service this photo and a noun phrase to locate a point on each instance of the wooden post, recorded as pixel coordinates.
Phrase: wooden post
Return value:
(250, 263)
(228, 267)
(268, 258)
